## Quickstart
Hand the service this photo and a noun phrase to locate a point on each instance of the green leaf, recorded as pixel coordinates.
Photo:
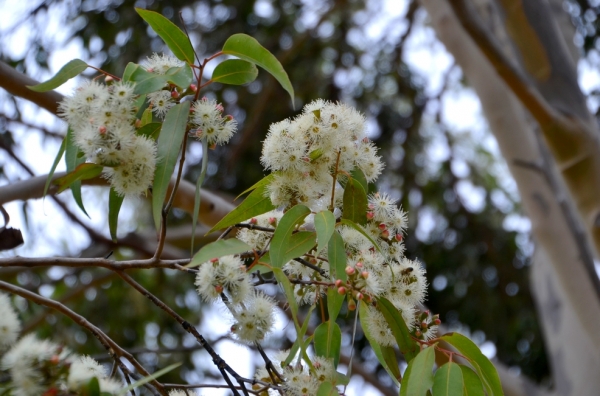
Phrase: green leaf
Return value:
(234, 72)
(146, 82)
(360, 229)
(300, 342)
(248, 49)
(283, 232)
(151, 130)
(324, 225)
(177, 41)
(82, 172)
(328, 341)
(298, 244)
(265, 181)
(255, 204)
(146, 117)
(114, 206)
(59, 155)
(289, 293)
(67, 72)
(327, 389)
(220, 248)
(149, 378)
(334, 303)
(92, 388)
(74, 157)
(389, 355)
(418, 377)
(180, 76)
(355, 202)
(393, 317)
(141, 104)
(128, 72)
(472, 383)
(486, 370)
(336, 254)
(359, 176)
(197, 195)
(364, 323)
(171, 137)
(448, 380)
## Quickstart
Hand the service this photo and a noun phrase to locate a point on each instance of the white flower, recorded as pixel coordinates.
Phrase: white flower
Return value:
(210, 123)
(161, 102)
(226, 275)
(136, 163)
(82, 370)
(160, 64)
(10, 326)
(254, 318)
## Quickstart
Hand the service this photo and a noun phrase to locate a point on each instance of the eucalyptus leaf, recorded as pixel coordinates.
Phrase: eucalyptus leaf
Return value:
(71, 69)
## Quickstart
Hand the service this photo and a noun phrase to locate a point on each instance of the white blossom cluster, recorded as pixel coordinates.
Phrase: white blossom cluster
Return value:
(299, 379)
(305, 151)
(37, 366)
(210, 123)
(102, 119)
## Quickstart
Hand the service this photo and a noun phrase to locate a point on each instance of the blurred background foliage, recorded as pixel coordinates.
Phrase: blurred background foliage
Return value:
(462, 206)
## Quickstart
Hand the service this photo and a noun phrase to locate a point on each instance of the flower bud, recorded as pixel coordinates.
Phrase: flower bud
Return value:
(351, 305)
(385, 234)
(359, 265)
(364, 274)
(193, 87)
(437, 321)
(174, 94)
(398, 237)
(424, 325)
(370, 215)
(138, 123)
(253, 220)
(273, 221)
(108, 79)
(101, 129)
(341, 290)
(350, 270)
(219, 289)
(214, 260)
(382, 226)
(418, 333)
(338, 282)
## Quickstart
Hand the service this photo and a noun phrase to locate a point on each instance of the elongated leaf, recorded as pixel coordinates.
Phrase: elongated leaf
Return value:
(359, 176)
(71, 69)
(327, 389)
(146, 82)
(328, 341)
(418, 377)
(140, 104)
(151, 130)
(283, 232)
(265, 181)
(334, 303)
(472, 383)
(114, 206)
(360, 229)
(180, 76)
(248, 49)
(223, 247)
(129, 69)
(289, 293)
(59, 155)
(92, 388)
(336, 253)
(176, 40)
(355, 202)
(448, 380)
(146, 117)
(149, 378)
(73, 158)
(300, 342)
(234, 72)
(169, 144)
(486, 370)
(197, 195)
(324, 225)
(82, 172)
(364, 323)
(255, 204)
(407, 345)
(389, 354)
(298, 244)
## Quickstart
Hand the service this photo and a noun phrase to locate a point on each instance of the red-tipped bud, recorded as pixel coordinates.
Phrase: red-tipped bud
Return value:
(364, 274)
(313, 261)
(272, 221)
(219, 289)
(138, 123)
(359, 296)
(424, 325)
(341, 290)
(54, 359)
(193, 87)
(385, 234)
(108, 79)
(228, 117)
(253, 220)
(219, 107)
(437, 321)
(351, 305)
(370, 215)
(174, 94)
(365, 140)
(214, 260)
(371, 206)
(382, 226)
(350, 270)
(398, 237)
(338, 282)
(359, 265)
(101, 129)
(418, 333)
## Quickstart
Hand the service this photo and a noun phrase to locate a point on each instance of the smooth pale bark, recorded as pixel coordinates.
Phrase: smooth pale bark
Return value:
(577, 340)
